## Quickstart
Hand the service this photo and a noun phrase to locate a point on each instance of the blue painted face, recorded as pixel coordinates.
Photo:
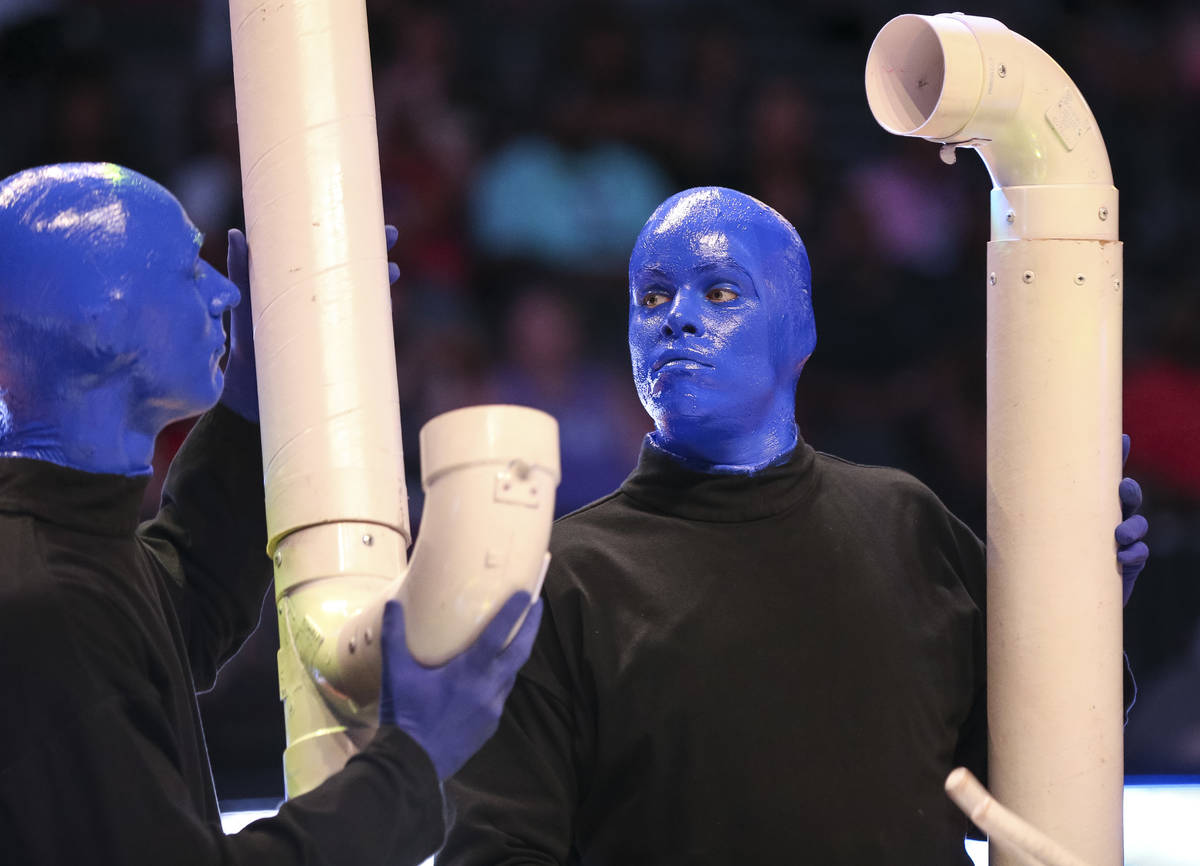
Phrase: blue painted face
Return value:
(720, 326)
(110, 323)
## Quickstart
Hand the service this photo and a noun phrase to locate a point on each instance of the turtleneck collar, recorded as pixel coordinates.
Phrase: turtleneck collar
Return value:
(86, 501)
(664, 483)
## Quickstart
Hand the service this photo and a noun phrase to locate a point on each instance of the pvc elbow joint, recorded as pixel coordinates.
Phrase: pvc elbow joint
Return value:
(970, 81)
(489, 473)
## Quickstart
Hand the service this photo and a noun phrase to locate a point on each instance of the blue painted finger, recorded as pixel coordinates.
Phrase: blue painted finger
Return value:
(1131, 530)
(1133, 556)
(1130, 494)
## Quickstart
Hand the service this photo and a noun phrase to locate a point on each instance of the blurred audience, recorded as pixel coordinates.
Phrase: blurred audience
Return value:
(524, 142)
(600, 422)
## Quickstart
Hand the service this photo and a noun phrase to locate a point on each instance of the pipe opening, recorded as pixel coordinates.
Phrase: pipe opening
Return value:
(906, 70)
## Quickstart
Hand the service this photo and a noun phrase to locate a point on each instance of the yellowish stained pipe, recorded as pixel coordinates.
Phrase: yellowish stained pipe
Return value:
(336, 502)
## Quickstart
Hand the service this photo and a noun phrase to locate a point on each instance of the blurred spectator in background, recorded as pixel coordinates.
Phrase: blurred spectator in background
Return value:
(711, 90)
(1162, 409)
(1162, 399)
(426, 145)
(783, 163)
(571, 210)
(600, 424)
(570, 191)
(208, 178)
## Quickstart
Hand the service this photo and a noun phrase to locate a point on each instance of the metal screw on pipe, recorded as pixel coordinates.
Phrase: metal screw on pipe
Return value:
(1080, 279)
(368, 540)
(1002, 71)
(1027, 277)
(1103, 213)
(1010, 217)
(278, 559)
(992, 278)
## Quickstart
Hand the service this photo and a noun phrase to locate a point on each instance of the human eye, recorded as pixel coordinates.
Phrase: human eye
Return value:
(721, 294)
(653, 299)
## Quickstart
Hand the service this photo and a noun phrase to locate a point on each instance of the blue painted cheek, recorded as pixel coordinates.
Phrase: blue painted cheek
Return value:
(643, 334)
(184, 357)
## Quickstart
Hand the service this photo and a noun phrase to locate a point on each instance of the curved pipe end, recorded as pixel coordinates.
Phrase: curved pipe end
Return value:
(908, 88)
(490, 474)
(970, 81)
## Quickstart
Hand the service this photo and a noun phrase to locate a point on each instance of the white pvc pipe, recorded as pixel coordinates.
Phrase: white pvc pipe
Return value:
(322, 305)
(495, 469)
(323, 337)
(1002, 826)
(964, 78)
(1054, 594)
(336, 503)
(489, 474)
(1054, 410)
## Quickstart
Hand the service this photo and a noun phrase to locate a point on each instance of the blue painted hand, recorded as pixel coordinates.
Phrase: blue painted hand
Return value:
(1132, 551)
(453, 709)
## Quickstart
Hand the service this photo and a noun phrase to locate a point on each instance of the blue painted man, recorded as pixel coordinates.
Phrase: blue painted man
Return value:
(110, 328)
(751, 652)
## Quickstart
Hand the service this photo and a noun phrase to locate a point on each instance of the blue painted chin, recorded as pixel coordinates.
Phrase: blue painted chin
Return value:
(720, 325)
(110, 322)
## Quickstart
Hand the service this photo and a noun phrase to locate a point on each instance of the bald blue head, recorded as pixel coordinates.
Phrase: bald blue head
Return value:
(720, 326)
(109, 320)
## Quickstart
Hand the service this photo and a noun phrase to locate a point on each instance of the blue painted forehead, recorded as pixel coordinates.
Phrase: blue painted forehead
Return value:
(712, 221)
(92, 202)
(73, 224)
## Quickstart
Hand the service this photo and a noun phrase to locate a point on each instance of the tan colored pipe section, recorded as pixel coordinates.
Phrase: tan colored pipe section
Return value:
(1054, 410)
(1003, 826)
(335, 495)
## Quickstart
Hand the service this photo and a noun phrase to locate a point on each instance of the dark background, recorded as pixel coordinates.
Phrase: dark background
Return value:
(524, 142)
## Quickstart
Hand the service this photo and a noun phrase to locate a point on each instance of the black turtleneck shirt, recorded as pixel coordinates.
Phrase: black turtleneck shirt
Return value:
(770, 668)
(106, 631)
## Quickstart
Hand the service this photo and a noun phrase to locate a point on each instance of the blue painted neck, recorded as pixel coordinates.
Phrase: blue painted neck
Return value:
(727, 452)
(80, 431)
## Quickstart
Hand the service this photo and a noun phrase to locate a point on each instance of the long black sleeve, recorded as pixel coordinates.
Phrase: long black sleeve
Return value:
(210, 537)
(102, 757)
